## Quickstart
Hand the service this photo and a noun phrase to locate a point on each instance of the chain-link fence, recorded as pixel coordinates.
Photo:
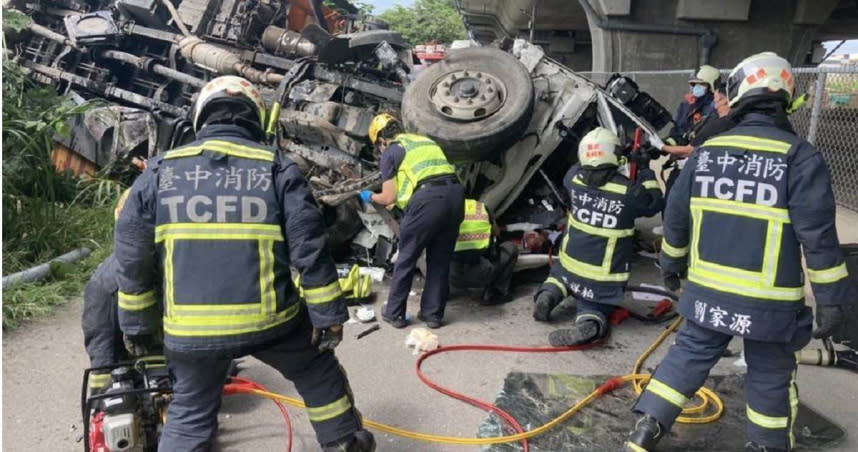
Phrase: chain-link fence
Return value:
(829, 121)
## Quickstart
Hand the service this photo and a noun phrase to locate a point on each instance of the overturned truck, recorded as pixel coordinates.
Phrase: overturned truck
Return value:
(508, 116)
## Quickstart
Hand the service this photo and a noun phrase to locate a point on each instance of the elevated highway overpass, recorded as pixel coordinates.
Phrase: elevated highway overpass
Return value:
(630, 35)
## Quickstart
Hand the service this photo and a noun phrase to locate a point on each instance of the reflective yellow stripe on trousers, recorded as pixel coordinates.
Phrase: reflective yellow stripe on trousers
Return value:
(757, 284)
(329, 411)
(666, 392)
(770, 422)
(556, 282)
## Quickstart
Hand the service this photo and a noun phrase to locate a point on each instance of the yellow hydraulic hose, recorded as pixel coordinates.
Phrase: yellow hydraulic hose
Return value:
(638, 380)
(705, 394)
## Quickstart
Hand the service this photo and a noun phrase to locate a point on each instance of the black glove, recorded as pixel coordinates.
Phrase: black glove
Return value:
(328, 338)
(671, 281)
(140, 345)
(828, 319)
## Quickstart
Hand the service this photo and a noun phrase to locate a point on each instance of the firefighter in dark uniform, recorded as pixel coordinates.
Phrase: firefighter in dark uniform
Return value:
(480, 262)
(595, 254)
(417, 177)
(745, 205)
(102, 337)
(700, 107)
(212, 228)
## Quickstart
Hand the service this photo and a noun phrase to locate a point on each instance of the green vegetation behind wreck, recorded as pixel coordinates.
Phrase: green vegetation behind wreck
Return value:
(426, 21)
(46, 213)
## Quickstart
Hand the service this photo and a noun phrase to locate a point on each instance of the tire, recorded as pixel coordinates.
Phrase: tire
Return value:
(466, 141)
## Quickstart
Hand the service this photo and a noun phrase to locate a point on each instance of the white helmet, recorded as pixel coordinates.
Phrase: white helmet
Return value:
(762, 75)
(598, 149)
(231, 87)
(707, 75)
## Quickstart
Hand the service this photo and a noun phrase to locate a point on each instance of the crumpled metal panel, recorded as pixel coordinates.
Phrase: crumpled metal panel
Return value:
(119, 130)
(198, 13)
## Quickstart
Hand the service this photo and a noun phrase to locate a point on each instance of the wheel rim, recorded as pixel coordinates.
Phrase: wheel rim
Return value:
(467, 95)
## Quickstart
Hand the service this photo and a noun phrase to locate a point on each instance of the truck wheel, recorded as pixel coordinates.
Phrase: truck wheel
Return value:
(473, 103)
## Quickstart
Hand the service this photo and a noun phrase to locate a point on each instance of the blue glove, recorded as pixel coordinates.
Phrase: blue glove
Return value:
(366, 196)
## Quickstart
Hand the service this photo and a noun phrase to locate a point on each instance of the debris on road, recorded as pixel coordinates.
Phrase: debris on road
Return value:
(422, 340)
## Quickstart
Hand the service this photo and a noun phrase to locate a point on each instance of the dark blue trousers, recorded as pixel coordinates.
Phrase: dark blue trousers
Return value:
(559, 284)
(318, 377)
(770, 388)
(431, 223)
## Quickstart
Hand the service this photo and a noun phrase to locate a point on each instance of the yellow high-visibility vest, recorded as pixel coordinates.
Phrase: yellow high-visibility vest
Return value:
(475, 232)
(423, 159)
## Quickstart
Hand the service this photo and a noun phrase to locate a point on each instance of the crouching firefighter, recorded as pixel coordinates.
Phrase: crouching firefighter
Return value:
(219, 222)
(479, 261)
(745, 205)
(595, 254)
(100, 320)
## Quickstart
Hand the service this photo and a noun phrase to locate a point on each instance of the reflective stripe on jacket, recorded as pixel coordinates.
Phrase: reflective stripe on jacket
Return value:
(207, 222)
(423, 159)
(745, 202)
(475, 232)
(597, 247)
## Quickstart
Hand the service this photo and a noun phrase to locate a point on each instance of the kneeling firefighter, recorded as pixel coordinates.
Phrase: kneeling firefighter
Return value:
(100, 320)
(204, 245)
(594, 256)
(479, 262)
(746, 204)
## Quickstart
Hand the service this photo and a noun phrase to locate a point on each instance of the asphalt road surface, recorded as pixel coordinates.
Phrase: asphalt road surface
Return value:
(43, 363)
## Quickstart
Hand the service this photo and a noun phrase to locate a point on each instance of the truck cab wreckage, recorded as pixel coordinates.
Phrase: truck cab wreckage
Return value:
(507, 115)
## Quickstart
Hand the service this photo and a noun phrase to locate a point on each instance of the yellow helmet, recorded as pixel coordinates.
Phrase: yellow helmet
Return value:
(378, 123)
(707, 75)
(764, 75)
(598, 149)
(229, 86)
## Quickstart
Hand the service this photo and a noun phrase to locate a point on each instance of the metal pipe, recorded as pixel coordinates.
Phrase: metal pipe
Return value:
(42, 271)
(51, 34)
(285, 42)
(104, 89)
(150, 66)
(708, 38)
(816, 111)
(533, 19)
(222, 61)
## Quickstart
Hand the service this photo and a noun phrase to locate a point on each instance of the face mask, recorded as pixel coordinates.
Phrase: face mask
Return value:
(698, 90)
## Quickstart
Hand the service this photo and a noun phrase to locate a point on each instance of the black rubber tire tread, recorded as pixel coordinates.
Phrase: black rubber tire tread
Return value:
(466, 142)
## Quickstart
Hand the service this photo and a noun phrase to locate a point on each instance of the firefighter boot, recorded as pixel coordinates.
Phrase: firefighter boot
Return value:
(545, 302)
(751, 446)
(361, 441)
(581, 333)
(645, 436)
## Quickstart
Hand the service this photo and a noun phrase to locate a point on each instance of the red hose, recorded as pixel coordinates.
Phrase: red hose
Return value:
(489, 348)
(241, 385)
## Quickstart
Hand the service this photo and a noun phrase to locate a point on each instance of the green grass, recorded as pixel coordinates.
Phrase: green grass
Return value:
(77, 226)
(46, 213)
